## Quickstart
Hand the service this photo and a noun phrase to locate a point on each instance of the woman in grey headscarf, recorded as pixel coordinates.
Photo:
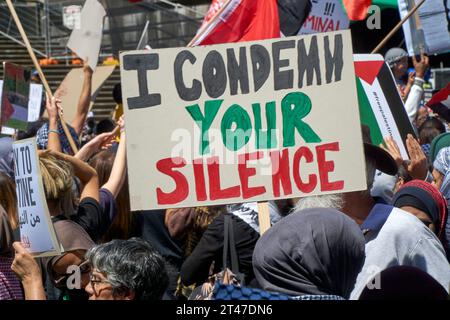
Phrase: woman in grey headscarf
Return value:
(310, 252)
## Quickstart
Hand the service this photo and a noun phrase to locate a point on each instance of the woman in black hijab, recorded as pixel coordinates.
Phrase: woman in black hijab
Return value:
(310, 252)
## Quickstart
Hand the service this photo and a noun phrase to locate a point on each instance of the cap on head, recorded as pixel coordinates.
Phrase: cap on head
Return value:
(394, 55)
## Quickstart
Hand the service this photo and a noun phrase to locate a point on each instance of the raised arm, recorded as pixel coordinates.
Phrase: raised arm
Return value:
(85, 100)
(412, 102)
(54, 143)
(118, 171)
(86, 174)
(99, 142)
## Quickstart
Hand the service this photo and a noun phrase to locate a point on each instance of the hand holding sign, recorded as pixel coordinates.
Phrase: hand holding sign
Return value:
(29, 273)
(53, 105)
(421, 66)
(24, 265)
(86, 67)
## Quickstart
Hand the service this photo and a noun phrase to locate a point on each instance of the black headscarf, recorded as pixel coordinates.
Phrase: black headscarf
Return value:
(316, 251)
(425, 197)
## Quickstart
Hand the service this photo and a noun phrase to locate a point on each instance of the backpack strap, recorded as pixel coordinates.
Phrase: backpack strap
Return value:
(226, 236)
(233, 252)
(229, 244)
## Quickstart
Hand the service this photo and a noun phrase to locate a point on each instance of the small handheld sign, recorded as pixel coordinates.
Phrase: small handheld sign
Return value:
(36, 228)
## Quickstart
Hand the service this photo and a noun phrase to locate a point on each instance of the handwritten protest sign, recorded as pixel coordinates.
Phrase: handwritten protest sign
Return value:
(70, 89)
(381, 106)
(34, 105)
(86, 40)
(15, 96)
(242, 122)
(325, 16)
(36, 228)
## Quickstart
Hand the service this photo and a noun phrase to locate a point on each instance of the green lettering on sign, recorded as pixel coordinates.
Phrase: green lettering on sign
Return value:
(235, 138)
(265, 139)
(204, 122)
(292, 119)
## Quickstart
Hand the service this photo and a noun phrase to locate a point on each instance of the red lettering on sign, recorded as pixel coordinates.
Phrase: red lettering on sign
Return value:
(199, 175)
(307, 187)
(280, 172)
(245, 173)
(325, 167)
(167, 166)
(215, 191)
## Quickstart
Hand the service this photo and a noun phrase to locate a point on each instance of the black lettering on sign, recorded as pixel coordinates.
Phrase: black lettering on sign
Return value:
(22, 151)
(238, 71)
(31, 191)
(282, 79)
(334, 62)
(27, 159)
(214, 74)
(142, 63)
(308, 63)
(16, 162)
(261, 65)
(186, 93)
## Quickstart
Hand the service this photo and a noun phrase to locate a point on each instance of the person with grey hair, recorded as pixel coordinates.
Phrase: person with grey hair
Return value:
(126, 270)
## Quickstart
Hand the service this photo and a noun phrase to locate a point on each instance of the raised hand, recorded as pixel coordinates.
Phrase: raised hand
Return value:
(418, 166)
(421, 66)
(393, 149)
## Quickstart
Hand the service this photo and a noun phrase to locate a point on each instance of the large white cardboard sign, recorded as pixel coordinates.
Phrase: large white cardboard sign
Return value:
(242, 122)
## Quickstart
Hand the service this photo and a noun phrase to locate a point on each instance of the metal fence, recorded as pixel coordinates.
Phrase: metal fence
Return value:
(158, 23)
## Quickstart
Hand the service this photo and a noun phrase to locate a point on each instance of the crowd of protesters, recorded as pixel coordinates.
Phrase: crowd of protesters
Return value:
(387, 242)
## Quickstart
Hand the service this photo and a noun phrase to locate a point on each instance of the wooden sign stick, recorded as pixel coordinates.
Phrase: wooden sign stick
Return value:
(263, 216)
(39, 70)
(398, 26)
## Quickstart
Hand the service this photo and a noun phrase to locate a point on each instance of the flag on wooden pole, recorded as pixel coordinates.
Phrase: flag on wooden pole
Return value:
(240, 20)
(357, 9)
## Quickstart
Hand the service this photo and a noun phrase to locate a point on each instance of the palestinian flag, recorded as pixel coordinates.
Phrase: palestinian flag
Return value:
(357, 9)
(230, 21)
(240, 20)
(440, 103)
(380, 105)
